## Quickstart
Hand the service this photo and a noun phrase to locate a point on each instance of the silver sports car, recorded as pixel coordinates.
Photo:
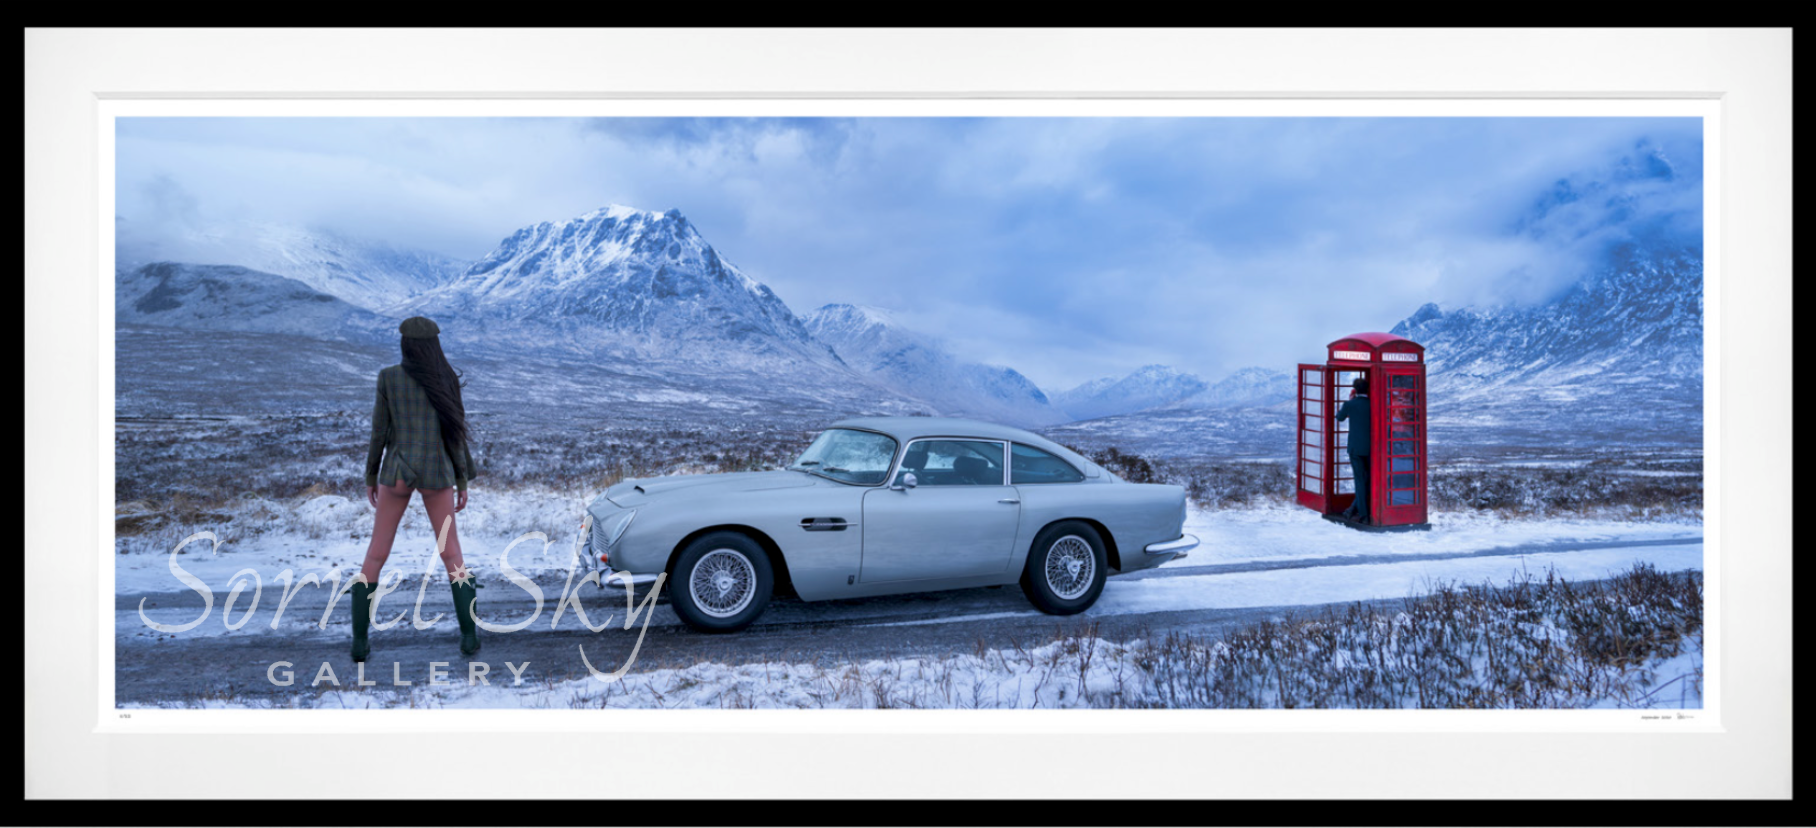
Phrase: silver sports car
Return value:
(884, 505)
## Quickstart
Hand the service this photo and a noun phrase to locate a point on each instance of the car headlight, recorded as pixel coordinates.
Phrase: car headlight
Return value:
(615, 530)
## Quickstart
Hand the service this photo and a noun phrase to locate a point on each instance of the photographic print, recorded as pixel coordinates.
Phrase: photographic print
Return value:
(910, 411)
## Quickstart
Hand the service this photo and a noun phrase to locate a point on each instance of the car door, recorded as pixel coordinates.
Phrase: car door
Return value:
(958, 521)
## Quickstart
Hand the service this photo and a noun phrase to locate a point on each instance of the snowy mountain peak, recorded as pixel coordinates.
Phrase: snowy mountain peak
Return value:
(866, 314)
(636, 284)
(846, 323)
(1145, 387)
(620, 212)
(1246, 387)
(1157, 372)
(870, 340)
(610, 248)
(1618, 353)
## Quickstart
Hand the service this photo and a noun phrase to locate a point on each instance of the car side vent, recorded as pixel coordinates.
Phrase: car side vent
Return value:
(823, 524)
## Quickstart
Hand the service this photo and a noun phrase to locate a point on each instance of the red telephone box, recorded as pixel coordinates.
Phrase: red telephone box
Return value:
(1395, 368)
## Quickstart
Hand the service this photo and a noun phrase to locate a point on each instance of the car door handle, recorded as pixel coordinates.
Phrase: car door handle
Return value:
(1009, 500)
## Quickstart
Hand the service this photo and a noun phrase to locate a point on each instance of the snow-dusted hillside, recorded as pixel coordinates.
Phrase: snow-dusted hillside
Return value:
(1639, 319)
(1619, 353)
(369, 274)
(627, 283)
(870, 340)
(231, 298)
(1147, 387)
(1245, 388)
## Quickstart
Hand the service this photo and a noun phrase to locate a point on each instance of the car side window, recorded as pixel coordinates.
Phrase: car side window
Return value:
(1028, 464)
(955, 462)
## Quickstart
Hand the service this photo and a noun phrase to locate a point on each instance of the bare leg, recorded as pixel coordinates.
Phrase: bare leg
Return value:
(391, 504)
(439, 503)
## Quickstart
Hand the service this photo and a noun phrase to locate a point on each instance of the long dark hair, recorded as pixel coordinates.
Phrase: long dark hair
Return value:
(425, 363)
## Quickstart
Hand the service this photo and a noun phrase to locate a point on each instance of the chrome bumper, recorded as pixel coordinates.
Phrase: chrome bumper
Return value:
(627, 581)
(1176, 548)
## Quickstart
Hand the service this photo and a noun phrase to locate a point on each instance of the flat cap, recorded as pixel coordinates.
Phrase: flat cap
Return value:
(418, 327)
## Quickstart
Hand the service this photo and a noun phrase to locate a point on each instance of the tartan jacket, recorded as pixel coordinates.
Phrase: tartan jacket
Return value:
(406, 439)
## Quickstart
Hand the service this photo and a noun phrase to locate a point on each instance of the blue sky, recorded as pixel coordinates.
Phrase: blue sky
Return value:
(1068, 248)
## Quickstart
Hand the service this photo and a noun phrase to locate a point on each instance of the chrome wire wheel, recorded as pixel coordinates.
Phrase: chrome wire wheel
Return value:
(1071, 566)
(722, 583)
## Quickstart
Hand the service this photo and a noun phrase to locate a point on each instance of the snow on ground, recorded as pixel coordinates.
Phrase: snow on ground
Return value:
(1284, 533)
(1678, 683)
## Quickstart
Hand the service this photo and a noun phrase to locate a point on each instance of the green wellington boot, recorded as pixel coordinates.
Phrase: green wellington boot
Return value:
(466, 590)
(362, 615)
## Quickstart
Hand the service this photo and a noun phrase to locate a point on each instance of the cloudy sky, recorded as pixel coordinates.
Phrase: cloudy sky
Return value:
(1068, 248)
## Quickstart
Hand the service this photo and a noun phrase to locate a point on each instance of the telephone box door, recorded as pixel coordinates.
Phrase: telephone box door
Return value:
(1316, 477)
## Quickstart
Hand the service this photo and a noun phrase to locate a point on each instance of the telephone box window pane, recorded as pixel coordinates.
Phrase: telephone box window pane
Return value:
(1346, 486)
(1313, 469)
(1404, 431)
(1405, 497)
(1312, 453)
(1315, 424)
(1403, 381)
(1314, 485)
(1343, 455)
(1313, 407)
(1314, 378)
(1406, 415)
(1312, 438)
(1405, 464)
(1403, 481)
(1405, 398)
(1314, 392)
(1404, 447)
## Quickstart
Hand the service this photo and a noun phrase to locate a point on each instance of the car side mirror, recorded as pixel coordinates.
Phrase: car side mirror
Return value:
(905, 481)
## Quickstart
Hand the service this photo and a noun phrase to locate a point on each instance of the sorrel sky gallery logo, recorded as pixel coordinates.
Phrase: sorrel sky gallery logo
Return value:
(338, 586)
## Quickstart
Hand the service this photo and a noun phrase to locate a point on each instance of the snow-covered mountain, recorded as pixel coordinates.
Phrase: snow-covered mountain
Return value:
(1639, 317)
(870, 340)
(1247, 387)
(232, 298)
(622, 282)
(370, 274)
(1147, 387)
(1618, 355)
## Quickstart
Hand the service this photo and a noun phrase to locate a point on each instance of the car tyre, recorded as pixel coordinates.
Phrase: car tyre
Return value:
(1066, 568)
(721, 582)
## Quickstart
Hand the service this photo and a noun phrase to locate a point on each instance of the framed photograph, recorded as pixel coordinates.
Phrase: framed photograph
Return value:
(680, 424)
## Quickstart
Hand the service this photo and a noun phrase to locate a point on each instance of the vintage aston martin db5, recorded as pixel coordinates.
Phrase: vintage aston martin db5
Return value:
(885, 505)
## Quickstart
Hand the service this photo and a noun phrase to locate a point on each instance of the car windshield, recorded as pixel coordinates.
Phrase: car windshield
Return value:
(860, 458)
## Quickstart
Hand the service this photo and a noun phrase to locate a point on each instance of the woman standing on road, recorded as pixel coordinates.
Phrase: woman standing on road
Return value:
(419, 444)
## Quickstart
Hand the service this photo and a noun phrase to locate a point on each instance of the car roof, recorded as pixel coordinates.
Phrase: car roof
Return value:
(914, 428)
